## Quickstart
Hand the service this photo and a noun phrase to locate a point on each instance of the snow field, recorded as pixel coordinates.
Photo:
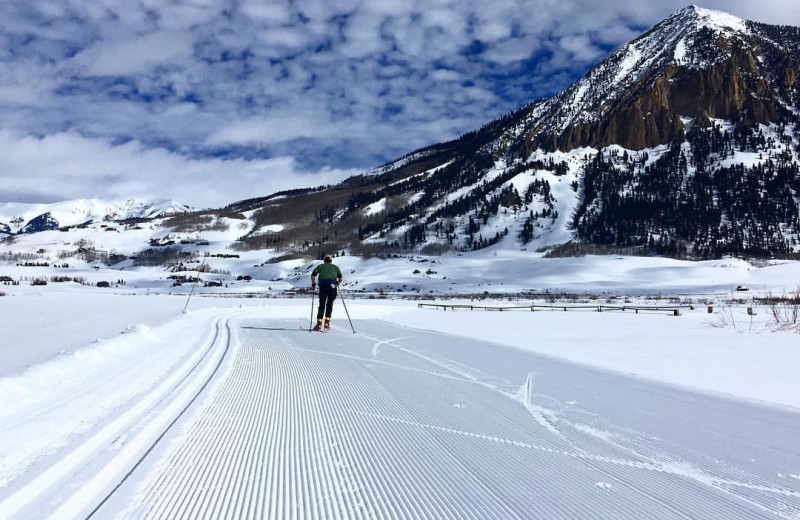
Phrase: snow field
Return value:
(321, 423)
(75, 361)
(693, 350)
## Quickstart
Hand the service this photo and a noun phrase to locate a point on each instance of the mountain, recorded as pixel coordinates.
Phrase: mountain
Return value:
(32, 218)
(44, 222)
(684, 142)
(698, 64)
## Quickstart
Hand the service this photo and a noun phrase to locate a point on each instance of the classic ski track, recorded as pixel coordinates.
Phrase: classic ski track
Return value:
(299, 432)
(62, 398)
(170, 399)
(182, 403)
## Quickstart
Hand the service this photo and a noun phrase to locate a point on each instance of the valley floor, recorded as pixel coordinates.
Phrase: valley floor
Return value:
(235, 409)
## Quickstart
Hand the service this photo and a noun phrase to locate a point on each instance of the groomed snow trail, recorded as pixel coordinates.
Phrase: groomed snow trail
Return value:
(72, 481)
(400, 423)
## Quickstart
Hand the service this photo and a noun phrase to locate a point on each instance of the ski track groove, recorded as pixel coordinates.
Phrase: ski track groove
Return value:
(320, 429)
(163, 405)
(505, 514)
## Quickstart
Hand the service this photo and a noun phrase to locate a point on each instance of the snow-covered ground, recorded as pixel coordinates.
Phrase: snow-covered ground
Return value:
(101, 388)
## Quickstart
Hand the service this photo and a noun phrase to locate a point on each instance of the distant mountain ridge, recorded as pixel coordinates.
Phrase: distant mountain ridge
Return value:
(32, 218)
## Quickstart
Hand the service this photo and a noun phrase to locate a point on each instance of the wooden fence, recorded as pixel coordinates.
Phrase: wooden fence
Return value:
(672, 309)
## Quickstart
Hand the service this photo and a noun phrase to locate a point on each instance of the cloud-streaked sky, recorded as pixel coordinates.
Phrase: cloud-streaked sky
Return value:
(211, 101)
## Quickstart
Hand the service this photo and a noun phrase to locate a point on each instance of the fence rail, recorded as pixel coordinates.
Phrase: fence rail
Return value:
(674, 309)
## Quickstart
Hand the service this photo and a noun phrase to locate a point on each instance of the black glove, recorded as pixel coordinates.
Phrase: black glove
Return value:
(313, 286)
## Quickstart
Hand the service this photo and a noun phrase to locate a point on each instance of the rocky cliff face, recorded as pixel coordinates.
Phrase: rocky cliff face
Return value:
(694, 66)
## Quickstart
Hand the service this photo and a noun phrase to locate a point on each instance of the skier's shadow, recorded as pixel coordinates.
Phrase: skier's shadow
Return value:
(275, 328)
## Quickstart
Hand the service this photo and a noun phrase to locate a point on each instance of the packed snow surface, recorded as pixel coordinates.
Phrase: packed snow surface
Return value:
(116, 404)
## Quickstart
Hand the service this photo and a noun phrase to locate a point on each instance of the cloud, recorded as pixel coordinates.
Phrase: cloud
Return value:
(299, 90)
(66, 166)
(135, 55)
(272, 130)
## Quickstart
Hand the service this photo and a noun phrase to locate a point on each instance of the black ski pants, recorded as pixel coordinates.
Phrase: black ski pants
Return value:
(327, 293)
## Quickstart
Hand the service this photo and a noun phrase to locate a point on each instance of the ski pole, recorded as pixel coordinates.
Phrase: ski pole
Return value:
(194, 285)
(311, 323)
(348, 314)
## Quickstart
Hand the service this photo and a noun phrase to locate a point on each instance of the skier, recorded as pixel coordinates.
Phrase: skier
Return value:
(330, 276)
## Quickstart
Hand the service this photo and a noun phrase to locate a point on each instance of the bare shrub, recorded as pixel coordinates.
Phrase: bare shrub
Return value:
(257, 242)
(573, 249)
(373, 250)
(188, 222)
(726, 317)
(784, 311)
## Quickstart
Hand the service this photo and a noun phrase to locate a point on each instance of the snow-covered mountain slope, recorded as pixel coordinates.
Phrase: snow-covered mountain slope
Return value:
(688, 135)
(683, 142)
(31, 218)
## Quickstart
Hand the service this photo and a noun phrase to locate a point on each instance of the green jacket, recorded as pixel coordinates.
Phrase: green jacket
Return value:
(327, 272)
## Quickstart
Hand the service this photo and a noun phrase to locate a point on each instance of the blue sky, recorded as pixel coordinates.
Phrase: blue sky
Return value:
(211, 101)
